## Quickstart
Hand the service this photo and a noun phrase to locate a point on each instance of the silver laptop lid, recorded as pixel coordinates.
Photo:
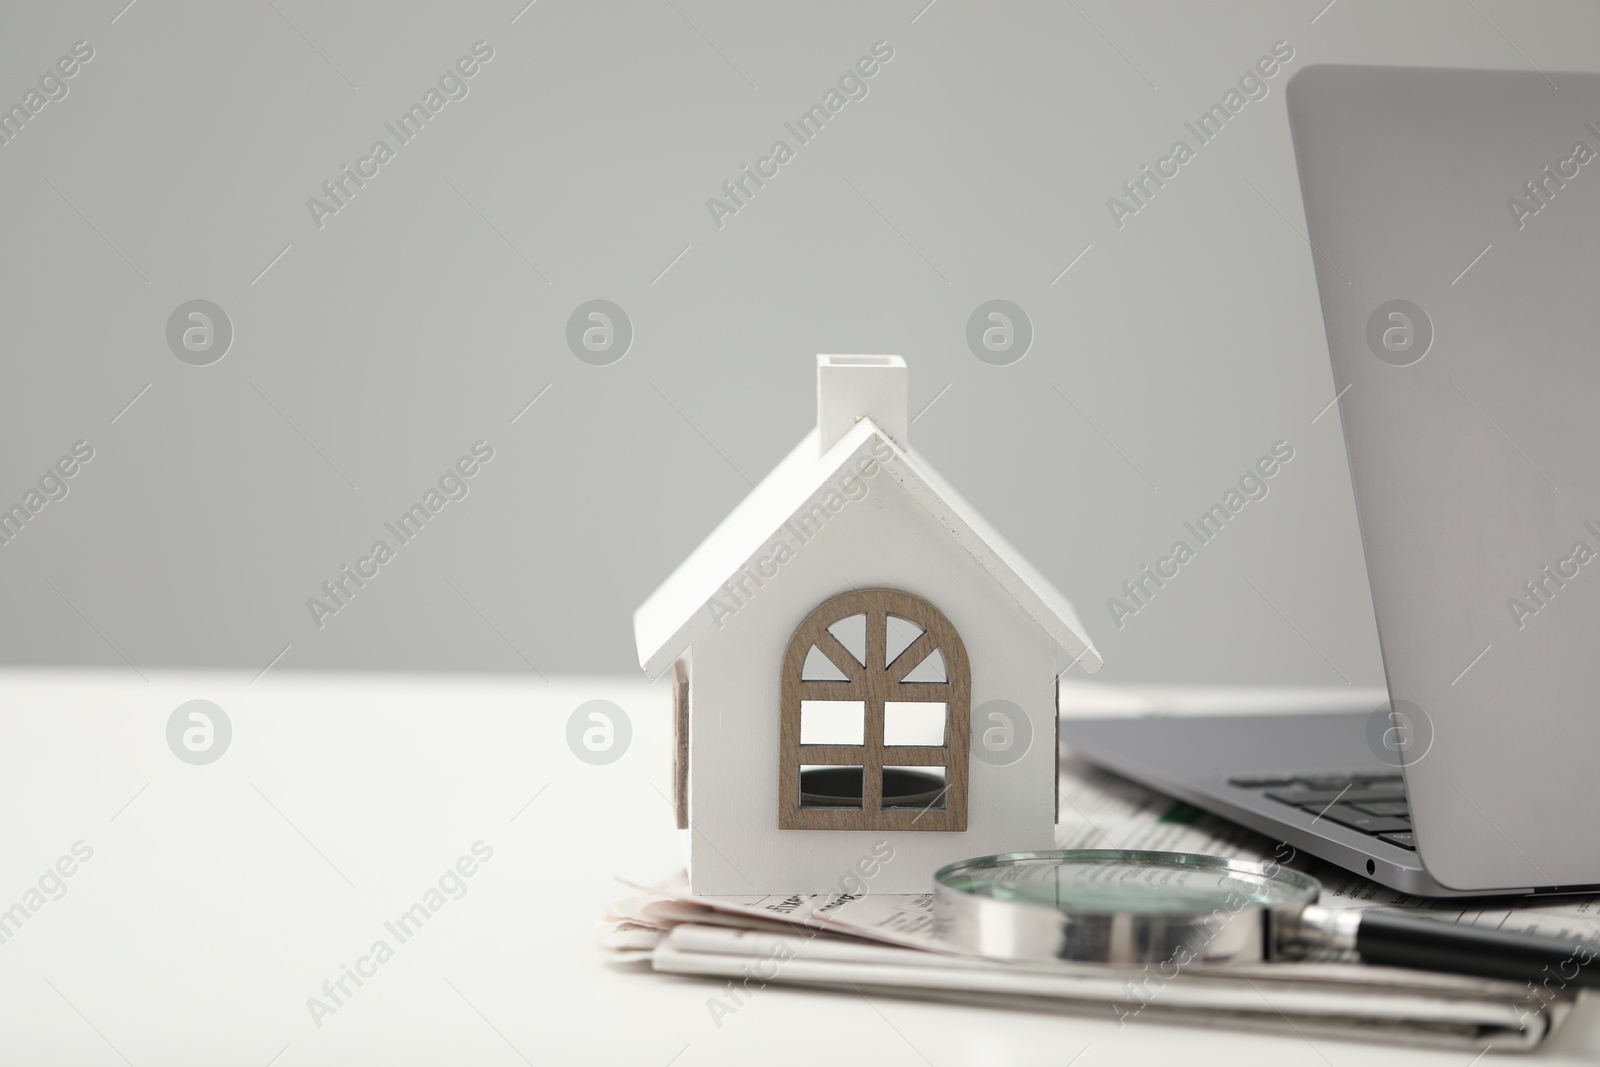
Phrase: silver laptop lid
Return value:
(1456, 221)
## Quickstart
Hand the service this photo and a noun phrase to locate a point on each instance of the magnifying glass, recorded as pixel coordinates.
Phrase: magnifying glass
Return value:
(1134, 907)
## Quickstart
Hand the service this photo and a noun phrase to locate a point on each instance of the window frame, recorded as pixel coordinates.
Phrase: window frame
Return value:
(680, 744)
(874, 685)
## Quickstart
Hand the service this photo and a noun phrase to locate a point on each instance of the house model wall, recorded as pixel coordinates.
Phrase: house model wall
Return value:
(851, 511)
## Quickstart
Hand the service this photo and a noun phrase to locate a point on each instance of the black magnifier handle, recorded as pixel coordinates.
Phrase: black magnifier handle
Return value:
(1399, 940)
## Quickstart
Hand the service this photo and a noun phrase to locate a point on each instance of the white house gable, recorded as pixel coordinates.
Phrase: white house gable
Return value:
(880, 538)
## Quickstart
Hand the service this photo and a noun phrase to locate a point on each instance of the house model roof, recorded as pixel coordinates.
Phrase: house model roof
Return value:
(868, 390)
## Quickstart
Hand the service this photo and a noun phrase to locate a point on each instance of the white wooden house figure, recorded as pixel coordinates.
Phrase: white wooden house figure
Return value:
(831, 642)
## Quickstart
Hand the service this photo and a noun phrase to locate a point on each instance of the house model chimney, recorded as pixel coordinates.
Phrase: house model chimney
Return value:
(854, 387)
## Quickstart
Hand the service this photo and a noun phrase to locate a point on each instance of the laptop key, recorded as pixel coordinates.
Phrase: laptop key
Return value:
(1382, 807)
(1345, 815)
(1260, 781)
(1318, 797)
(1405, 839)
(1334, 782)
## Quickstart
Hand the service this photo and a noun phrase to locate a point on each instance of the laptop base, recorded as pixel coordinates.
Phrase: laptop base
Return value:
(1310, 781)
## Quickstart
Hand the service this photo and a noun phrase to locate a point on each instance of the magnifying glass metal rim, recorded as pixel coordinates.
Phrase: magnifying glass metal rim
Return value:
(1029, 931)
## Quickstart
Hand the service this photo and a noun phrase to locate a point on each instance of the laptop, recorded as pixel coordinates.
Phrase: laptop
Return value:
(1453, 219)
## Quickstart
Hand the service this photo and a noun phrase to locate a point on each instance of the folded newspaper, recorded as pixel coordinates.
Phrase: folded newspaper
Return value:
(886, 943)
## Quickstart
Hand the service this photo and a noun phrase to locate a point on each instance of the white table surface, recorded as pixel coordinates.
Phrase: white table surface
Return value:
(220, 897)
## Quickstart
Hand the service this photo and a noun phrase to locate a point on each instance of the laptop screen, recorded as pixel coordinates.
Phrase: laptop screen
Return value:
(1455, 222)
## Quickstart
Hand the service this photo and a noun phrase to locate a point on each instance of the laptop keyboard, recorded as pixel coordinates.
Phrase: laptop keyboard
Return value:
(1374, 804)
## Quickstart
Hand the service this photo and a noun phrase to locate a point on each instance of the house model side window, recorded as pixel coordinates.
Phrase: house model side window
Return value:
(875, 703)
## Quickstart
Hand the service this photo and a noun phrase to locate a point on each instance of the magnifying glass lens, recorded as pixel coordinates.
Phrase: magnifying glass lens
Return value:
(1117, 906)
(1102, 882)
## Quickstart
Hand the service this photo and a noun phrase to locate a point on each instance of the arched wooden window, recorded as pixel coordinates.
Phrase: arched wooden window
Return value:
(874, 717)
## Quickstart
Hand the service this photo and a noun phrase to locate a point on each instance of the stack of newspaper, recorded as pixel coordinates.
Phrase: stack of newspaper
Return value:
(886, 943)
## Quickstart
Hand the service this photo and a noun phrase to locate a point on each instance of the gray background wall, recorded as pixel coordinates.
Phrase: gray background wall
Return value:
(426, 314)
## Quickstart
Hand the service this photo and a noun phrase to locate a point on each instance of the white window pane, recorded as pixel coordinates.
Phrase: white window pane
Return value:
(852, 634)
(833, 722)
(916, 722)
(931, 669)
(901, 633)
(819, 668)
